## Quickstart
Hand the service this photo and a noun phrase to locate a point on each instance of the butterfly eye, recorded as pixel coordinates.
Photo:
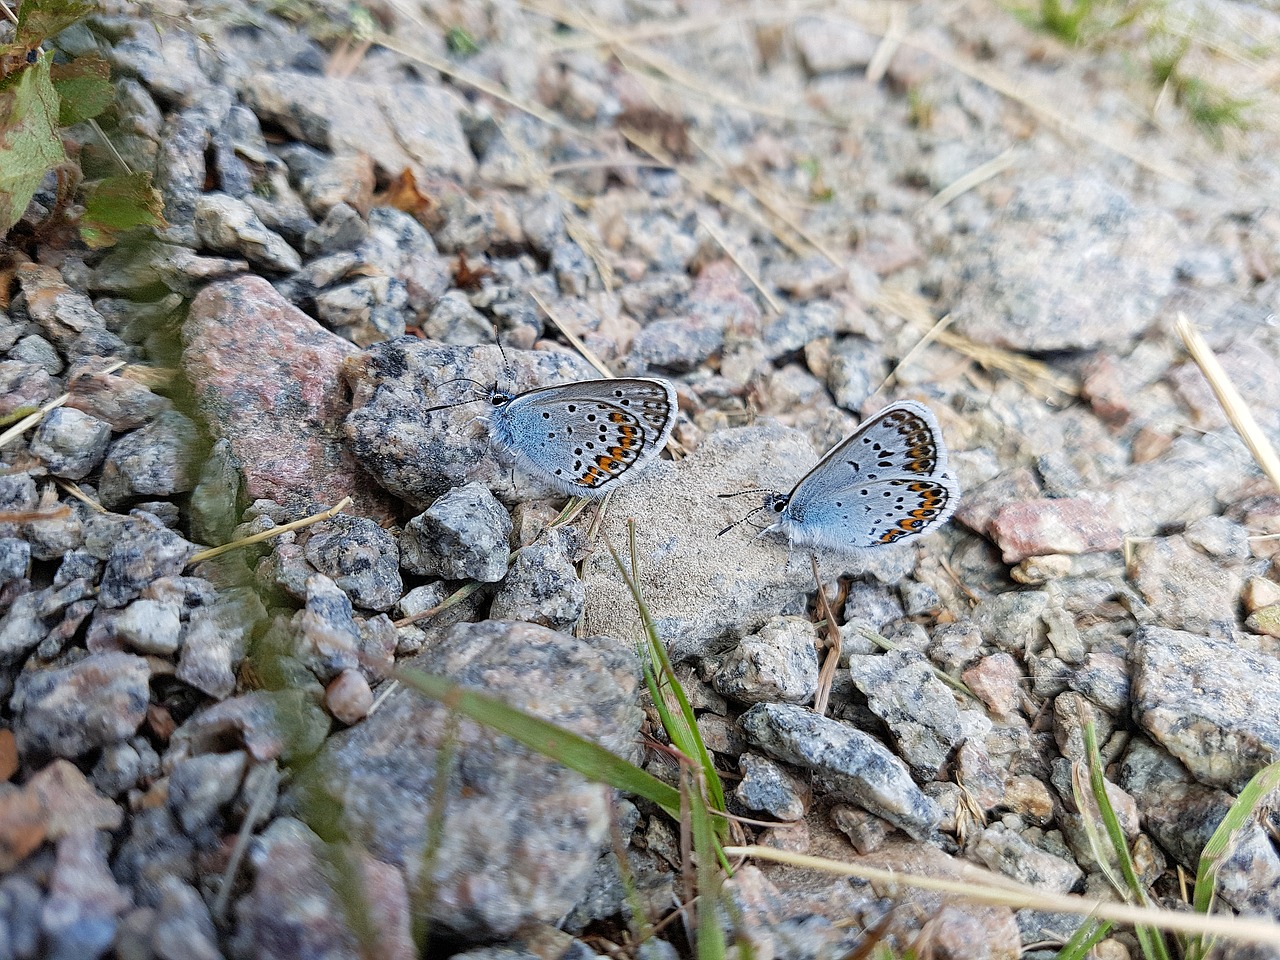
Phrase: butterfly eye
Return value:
(777, 506)
(498, 399)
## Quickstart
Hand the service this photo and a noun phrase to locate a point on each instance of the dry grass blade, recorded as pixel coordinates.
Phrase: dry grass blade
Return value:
(721, 194)
(934, 332)
(984, 887)
(723, 243)
(476, 82)
(212, 552)
(1233, 405)
(827, 675)
(73, 488)
(587, 353)
(31, 419)
(980, 174)
(1019, 93)
(1032, 374)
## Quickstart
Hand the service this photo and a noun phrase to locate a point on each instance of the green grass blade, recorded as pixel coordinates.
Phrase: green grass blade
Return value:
(1150, 939)
(1215, 853)
(710, 934)
(1087, 936)
(681, 726)
(577, 753)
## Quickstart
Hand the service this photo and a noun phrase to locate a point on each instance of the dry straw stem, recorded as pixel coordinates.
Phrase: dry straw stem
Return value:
(74, 490)
(212, 552)
(1233, 405)
(986, 887)
(1032, 374)
(962, 185)
(723, 243)
(31, 419)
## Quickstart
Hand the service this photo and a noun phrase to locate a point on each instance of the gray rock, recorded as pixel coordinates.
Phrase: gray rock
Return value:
(70, 711)
(865, 831)
(341, 229)
(189, 594)
(1220, 538)
(541, 587)
(360, 557)
(1012, 621)
(151, 626)
(797, 326)
(847, 763)
(328, 638)
(224, 224)
(200, 786)
(771, 788)
(1185, 589)
(21, 628)
(454, 320)
(464, 535)
(38, 352)
(486, 883)
(419, 455)
(295, 909)
(286, 725)
(15, 560)
(23, 387)
(183, 926)
(123, 765)
(1213, 705)
(918, 708)
(365, 311)
(139, 550)
(777, 663)
(1010, 854)
(65, 316)
(1071, 265)
(80, 916)
(400, 246)
(676, 344)
(832, 45)
(216, 640)
(400, 125)
(857, 370)
(156, 460)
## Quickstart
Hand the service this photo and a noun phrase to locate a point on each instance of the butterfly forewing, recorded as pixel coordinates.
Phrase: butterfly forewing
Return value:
(886, 482)
(583, 437)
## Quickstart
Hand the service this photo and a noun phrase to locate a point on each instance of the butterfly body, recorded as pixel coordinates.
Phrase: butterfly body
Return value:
(886, 482)
(583, 438)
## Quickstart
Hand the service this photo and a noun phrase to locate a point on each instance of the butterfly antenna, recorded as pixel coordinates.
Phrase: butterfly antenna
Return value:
(506, 361)
(724, 496)
(738, 523)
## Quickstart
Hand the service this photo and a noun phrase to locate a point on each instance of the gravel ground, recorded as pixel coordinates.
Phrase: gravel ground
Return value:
(768, 208)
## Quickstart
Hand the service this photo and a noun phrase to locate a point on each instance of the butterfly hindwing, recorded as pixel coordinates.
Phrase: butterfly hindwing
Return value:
(584, 437)
(885, 482)
(873, 514)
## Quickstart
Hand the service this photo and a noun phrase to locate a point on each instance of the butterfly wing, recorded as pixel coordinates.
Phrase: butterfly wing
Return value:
(585, 437)
(887, 481)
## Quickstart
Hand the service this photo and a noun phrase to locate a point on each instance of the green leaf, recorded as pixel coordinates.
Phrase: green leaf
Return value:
(38, 20)
(577, 753)
(118, 204)
(30, 145)
(84, 86)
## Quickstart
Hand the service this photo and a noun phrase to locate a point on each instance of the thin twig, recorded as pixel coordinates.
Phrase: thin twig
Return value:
(980, 174)
(723, 243)
(212, 552)
(827, 676)
(587, 353)
(981, 885)
(1233, 405)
